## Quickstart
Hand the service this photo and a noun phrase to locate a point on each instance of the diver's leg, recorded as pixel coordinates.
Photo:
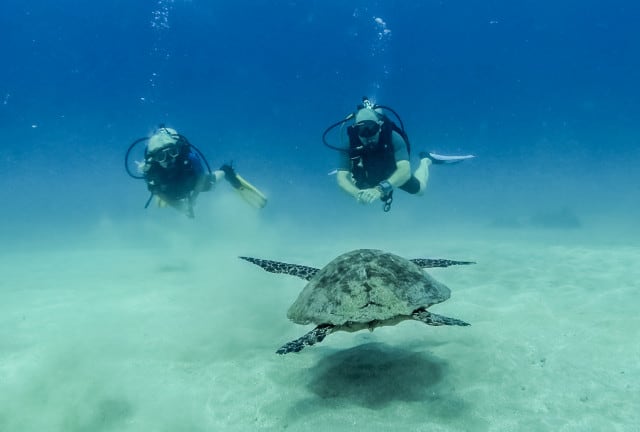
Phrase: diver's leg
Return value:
(184, 205)
(217, 176)
(422, 174)
(207, 182)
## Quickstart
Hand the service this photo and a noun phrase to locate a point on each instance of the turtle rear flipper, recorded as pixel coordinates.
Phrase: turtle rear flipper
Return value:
(435, 319)
(313, 337)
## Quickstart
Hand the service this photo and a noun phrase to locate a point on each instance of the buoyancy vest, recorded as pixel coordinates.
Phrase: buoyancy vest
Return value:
(371, 164)
(178, 179)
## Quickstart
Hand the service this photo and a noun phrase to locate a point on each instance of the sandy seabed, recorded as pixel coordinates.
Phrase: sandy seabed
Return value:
(181, 335)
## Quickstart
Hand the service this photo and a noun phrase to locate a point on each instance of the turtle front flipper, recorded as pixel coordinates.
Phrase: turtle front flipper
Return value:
(435, 319)
(313, 337)
(303, 272)
(437, 262)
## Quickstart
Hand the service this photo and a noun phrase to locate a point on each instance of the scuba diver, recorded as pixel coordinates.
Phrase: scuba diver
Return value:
(375, 161)
(176, 171)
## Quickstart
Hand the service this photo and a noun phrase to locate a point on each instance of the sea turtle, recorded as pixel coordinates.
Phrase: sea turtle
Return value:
(362, 289)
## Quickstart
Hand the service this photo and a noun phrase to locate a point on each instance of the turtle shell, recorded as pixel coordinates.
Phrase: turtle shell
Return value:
(363, 286)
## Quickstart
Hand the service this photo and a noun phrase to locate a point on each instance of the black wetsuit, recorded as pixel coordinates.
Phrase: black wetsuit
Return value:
(178, 182)
(374, 163)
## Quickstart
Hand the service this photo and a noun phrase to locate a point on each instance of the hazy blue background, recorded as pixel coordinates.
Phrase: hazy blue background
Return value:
(544, 93)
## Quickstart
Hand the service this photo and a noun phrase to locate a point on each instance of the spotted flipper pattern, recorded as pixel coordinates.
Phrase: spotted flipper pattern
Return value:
(436, 262)
(436, 320)
(303, 272)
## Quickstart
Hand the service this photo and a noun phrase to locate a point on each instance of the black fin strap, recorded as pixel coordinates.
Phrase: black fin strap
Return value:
(231, 176)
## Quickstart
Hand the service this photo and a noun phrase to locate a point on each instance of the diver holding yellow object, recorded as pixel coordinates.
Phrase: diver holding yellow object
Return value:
(176, 171)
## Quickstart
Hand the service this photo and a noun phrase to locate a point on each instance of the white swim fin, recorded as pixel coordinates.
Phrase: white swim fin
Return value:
(444, 159)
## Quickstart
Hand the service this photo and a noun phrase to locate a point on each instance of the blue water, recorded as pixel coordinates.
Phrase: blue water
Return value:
(544, 94)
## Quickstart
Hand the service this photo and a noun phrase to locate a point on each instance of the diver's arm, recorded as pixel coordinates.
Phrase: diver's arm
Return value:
(346, 184)
(401, 175)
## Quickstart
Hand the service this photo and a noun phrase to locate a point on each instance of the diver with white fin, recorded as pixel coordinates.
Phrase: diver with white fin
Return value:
(375, 160)
(176, 171)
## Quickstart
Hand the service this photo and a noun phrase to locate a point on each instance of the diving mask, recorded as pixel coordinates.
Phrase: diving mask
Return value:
(367, 128)
(165, 155)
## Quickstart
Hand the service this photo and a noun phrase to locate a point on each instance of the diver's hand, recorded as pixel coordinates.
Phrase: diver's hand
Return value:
(367, 196)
